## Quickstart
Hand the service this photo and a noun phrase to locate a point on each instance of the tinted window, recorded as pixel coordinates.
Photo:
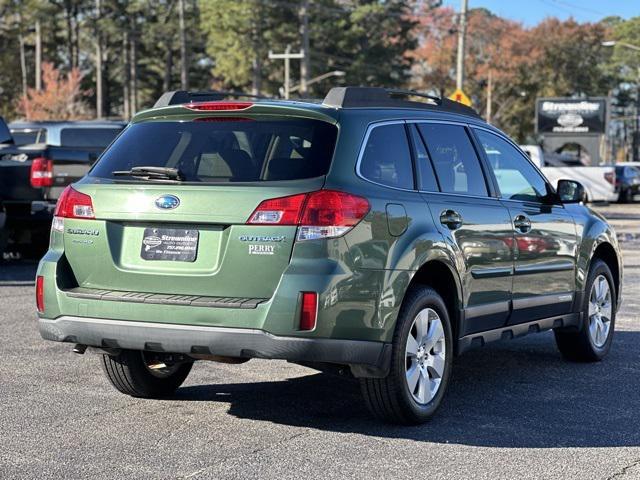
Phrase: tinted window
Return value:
(88, 137)
(27, 137)
(517, 178)
(386, 158)
(229, 150)
(454, 159)
(426, 175)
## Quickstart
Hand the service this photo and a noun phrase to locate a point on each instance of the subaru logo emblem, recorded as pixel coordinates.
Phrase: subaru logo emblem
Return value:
(167, 202)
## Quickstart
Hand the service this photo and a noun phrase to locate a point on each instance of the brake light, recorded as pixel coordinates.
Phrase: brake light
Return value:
(40, 293)
(73, 204)
(279, 211)
(321, 214)
(610, 177)
(41, 172)
(217, 106)
(308, 310)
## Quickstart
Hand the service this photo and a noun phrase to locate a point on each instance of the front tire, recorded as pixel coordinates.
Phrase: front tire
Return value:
(593, 341)
(137, 374)
(421, 361)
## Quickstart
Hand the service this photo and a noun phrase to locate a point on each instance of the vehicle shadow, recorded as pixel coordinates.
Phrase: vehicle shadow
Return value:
(518, 394)
(17, 273)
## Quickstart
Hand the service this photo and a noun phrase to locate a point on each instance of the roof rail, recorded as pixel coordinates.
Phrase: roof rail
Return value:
(178, 97)
(369, 97)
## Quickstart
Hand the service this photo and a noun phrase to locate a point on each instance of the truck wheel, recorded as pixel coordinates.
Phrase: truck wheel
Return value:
(420, 369)
(592, 342)
(135, 373)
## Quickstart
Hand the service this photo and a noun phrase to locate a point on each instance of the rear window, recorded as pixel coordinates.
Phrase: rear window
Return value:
(88, 137)
(27, 137)
(225, 150)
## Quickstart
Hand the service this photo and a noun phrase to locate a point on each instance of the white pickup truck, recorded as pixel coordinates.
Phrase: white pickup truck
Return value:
(599, 181)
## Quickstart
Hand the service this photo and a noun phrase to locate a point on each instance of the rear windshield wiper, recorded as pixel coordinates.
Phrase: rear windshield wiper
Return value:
(152, 173)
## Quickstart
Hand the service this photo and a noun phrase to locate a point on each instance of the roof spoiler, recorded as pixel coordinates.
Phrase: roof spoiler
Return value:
(371, 97)
(179, 97)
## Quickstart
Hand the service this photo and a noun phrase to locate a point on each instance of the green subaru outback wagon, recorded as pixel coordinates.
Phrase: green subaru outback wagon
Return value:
(379, 233)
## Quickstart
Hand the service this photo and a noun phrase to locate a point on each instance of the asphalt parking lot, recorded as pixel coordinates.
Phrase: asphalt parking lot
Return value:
(514, 410)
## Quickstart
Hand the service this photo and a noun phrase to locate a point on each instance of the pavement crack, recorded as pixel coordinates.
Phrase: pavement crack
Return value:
(248, 454)
(624, 470)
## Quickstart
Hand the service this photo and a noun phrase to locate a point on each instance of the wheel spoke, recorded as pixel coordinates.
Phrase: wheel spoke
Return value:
(593, 308)
(413, 375)
(605, 312)
(593, 327)
(422, 325)
(423, 389)
(436, 365)
(412, 346)
(436, 332)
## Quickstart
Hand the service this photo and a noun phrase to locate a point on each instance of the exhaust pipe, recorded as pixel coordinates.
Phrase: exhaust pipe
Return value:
(79, 349)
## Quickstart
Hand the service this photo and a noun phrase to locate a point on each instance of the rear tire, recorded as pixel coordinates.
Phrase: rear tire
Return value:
(593, 341)
(421, 361)
(130, 373)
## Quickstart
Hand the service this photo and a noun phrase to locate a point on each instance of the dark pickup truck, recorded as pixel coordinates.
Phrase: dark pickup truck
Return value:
(32, 177)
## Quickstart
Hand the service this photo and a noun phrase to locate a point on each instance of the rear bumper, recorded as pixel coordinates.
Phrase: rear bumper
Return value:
(366, 358)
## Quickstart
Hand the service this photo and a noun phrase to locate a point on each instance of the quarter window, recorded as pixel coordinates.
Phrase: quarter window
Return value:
(517, 178)
(386, 158)
(454, 159)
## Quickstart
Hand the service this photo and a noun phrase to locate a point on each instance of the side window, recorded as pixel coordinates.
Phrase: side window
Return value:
(517, 178)
(454, 159)
(426, 176)
(386, 158)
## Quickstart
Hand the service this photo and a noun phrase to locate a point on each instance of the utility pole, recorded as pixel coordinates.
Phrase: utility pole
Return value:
(286, 56)
(462, 30)
(99, 90)
(489, 95)
(38, 56)
(184, 77)
(304, 33)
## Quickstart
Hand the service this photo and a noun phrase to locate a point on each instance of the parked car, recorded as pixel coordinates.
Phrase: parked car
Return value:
(372, 233)
(79, 134)
(32, 177)
(599, 182)
(628, 182)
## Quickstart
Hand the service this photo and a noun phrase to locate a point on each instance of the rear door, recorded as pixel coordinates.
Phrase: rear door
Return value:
(473, 222)
(544, 233)
(194, 237)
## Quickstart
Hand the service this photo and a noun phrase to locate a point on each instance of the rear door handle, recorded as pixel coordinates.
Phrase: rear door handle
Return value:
(522, 223)
(451, 219)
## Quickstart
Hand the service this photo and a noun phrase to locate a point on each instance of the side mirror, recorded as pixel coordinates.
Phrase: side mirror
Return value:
(571, 191)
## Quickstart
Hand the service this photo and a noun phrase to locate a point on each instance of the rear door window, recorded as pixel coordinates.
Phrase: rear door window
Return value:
(454, 159)
(386, 158)
(217, 150)
(88, 137)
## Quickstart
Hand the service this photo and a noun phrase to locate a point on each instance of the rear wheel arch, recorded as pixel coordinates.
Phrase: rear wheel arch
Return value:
(442, 277)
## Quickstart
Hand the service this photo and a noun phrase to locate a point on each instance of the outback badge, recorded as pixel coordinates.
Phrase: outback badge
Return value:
(167, 202)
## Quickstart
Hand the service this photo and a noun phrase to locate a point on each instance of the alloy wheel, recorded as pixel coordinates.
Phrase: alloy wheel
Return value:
(600, 310)
(425, 356)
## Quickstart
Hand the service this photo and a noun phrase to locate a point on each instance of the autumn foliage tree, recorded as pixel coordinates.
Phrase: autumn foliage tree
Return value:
(60, 99)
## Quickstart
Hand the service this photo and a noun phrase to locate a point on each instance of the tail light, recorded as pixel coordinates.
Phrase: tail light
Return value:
(41, 172)
(321, 214)
(308, 310)
(40, 293)
(610, 177)
(72, 204)
(218, 106)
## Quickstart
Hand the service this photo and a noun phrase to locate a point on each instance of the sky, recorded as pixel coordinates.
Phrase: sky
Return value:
(531, 12)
